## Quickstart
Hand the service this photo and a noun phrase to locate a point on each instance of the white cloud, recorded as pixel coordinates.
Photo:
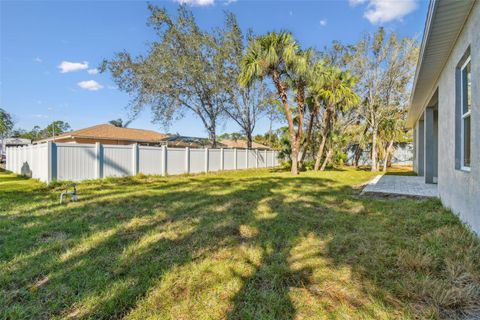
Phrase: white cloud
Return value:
(67, 66)
(91, 85)
(381, 11)
(290, 12)
(92, 71)
(227, 2)
(38, 59)
(196, 2)
(323, 22)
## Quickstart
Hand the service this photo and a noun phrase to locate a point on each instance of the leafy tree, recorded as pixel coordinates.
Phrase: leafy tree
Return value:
(34, 134)
(277, 56)
(186, 69)
(6, 123)
(55, 128)
(232, 136)
(385, 66)
(249, 105)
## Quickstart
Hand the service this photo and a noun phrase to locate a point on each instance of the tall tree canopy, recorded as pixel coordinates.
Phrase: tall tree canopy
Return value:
(6, 123)
(278, 56)
(385, 66)
(185, 69)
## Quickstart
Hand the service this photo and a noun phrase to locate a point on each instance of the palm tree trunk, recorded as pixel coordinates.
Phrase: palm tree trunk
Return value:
(282, 92)
(326, 131)
(308, 138)
(327, 159)
(320, 153)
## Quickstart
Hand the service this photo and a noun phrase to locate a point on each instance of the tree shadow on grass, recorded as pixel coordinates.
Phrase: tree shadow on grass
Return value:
(72, 254)
(131, 250)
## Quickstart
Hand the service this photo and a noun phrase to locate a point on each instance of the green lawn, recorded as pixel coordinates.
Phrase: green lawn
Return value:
(237, 245)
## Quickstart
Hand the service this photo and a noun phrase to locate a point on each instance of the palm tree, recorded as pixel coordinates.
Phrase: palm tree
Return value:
(314, 103)
(119, 123)
(277, 56)
(390, 130)
(336, 91)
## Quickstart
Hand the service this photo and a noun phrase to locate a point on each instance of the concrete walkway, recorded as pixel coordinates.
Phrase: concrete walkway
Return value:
(401, 185)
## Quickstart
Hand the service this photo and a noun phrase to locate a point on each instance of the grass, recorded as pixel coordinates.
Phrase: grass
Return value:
(237, 245)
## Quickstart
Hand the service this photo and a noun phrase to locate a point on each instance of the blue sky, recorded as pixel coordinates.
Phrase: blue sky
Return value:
(36, 37)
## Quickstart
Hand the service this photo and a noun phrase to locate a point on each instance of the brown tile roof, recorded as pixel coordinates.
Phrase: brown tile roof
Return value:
(108, 131)
(241, 144)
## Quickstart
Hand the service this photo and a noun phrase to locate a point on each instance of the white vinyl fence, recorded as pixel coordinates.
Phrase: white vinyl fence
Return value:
(68, 161)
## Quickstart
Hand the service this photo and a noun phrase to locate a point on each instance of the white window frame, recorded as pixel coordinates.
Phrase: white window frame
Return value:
(464, 116)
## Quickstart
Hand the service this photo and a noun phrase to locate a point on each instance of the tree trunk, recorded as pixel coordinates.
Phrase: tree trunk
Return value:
(357, 155)
(281, 90)
(320, 153)
(326, 131)
(387, 153)
(374, 150)
(249, 140)
(308, 138)
(213, 137)
(327, 159)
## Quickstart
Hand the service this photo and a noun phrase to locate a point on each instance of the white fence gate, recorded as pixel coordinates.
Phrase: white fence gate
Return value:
(68, 161)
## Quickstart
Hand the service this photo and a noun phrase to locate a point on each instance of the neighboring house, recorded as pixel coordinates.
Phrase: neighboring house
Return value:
(445, 106)
(11, 142)
(183, 141)
(242, 144)
(109, 134)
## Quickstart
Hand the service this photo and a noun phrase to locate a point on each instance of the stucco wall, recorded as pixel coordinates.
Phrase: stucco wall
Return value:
(460, 190)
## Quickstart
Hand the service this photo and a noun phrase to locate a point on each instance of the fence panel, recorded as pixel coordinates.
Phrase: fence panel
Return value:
(197, 160)
(117, 161)
(214, 160)
(252, 159)
(150, 160)
(175, 161)
(241, 159)
(228, 159)
(76, 162)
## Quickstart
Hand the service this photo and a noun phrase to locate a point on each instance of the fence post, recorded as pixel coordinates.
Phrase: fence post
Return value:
(51, 162)
(234, 158)
(273, 158)
(98, 161)
(7, 155)
(222, 166)
(134, 159)
(246, 158)
(164, 160)
(265, 158)
(187, 160)
(206, 159)
(256, 158)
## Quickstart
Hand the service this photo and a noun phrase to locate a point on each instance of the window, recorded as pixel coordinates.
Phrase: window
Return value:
(466, 108)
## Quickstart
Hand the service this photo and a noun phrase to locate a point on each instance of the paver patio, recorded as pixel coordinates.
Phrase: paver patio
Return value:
(401, 185)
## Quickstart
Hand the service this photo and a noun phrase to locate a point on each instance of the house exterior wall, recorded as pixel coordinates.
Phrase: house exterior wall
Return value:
(459, 190)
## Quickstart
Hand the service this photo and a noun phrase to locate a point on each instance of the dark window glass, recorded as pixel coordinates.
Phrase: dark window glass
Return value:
(466, 141)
